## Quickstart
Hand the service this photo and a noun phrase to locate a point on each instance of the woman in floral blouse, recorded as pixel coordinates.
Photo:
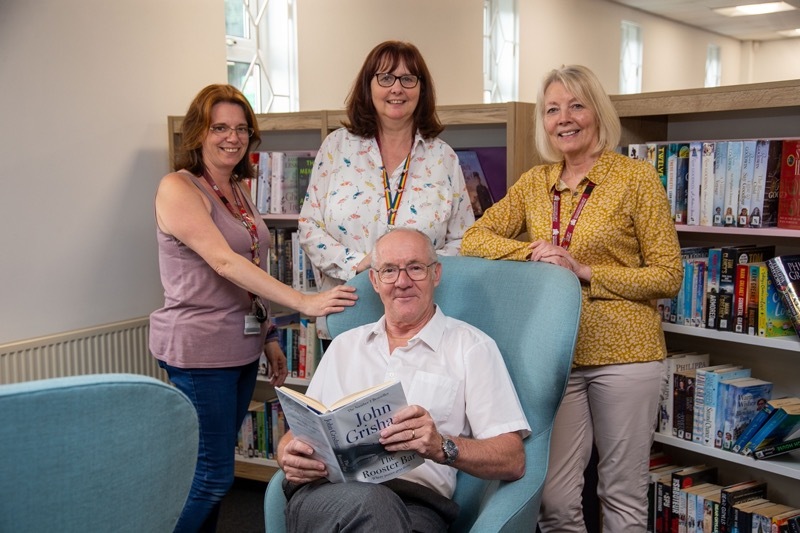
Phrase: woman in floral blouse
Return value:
(385, 168)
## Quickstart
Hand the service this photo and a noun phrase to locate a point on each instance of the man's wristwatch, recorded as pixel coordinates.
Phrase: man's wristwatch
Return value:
(450, 450)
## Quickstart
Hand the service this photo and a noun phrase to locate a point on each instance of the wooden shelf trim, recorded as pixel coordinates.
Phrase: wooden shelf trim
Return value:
(728, 98)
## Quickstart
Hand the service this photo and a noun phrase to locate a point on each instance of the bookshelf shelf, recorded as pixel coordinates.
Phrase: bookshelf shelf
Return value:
(754, 232)
(787, 465)
(255, 469)
(778, 343)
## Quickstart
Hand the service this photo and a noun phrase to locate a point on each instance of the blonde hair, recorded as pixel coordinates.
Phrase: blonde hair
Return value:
(584, 85)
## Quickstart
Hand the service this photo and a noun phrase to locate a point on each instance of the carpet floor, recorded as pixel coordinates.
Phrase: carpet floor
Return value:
(242, 509)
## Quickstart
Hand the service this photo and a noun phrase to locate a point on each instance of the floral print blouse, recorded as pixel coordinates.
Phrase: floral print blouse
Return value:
(345, 209)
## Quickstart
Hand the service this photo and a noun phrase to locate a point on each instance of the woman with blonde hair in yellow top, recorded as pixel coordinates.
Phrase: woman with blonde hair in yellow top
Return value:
(605, 217)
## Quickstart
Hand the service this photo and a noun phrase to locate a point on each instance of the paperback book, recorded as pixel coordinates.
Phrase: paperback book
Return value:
(785, 273)
(345, 436)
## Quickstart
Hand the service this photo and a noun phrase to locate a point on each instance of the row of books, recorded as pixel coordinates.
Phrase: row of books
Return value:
(261, 430)
(288, 262)
(744, 183)
(299, 341)
(281, 180)
(731, 288)
(690, 500)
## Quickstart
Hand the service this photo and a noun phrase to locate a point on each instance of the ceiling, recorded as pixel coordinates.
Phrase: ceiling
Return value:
(698, 13)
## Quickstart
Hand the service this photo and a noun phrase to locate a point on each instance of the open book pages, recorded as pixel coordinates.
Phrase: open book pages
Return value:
(346, 436)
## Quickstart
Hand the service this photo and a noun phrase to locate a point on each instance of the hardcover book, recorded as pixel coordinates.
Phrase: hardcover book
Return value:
(785, 273)
(772, 184)
(789, 198)
(345, 435)
(758, 188)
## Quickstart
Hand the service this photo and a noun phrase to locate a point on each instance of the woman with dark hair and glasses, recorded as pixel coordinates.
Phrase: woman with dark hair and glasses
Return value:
(386, 167)
(212, 251)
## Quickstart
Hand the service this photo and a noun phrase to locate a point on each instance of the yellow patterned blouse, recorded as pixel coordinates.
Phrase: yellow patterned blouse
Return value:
(624, 233)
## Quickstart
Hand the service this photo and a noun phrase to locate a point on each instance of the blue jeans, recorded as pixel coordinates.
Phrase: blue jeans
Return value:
(221, 397)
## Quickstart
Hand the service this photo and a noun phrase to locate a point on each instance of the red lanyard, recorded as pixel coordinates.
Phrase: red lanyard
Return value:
(243, 216)
(572, 221)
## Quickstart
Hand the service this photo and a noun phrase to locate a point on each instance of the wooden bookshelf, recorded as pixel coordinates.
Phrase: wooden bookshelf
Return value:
(763, 110)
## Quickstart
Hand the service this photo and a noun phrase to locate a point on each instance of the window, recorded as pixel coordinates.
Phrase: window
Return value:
(630, 59)
(500, 51)
(713, 66)
(262, 52)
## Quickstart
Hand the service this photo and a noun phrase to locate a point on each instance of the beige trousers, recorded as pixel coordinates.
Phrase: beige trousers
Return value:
(615, 406)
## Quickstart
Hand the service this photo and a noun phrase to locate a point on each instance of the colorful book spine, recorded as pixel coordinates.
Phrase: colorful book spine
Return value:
(712, 435)
(682, 183)
(694, 177)
(785, 273)
(773, 450)
(789, 199)
(707, 184)
(761, 417)
(742, 401)
(784, 422)
(746, 183)
(720, 168)
(733, 176)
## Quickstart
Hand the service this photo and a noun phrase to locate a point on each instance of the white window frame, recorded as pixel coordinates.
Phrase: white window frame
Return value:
(630, 58)
(500, 51)
(713, 66)
(269, 48)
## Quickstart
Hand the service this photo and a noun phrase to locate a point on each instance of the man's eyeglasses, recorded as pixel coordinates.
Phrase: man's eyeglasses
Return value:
(222, 130)
(407, 81)
(415, 271)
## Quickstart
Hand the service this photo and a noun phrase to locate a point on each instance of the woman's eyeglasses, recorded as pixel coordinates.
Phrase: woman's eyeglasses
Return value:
(407, 81)
(223, 130)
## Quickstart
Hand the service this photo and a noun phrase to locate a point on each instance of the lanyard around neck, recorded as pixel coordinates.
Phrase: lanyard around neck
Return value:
(393, 201)
(572, 221)
(243, 216)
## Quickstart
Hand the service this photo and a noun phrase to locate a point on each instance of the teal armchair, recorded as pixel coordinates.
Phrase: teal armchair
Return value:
(108, 452)
(531, 310)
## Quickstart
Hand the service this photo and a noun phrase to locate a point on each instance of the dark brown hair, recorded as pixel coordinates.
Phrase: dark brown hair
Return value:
(362, 118)
(195, 129)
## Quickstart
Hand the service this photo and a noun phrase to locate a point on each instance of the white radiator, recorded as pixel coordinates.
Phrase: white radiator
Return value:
(111, 348)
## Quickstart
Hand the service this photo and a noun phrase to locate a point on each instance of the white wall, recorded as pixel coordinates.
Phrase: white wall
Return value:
(334, 38)
(776, 60)
(87, 86)
(588, 32)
